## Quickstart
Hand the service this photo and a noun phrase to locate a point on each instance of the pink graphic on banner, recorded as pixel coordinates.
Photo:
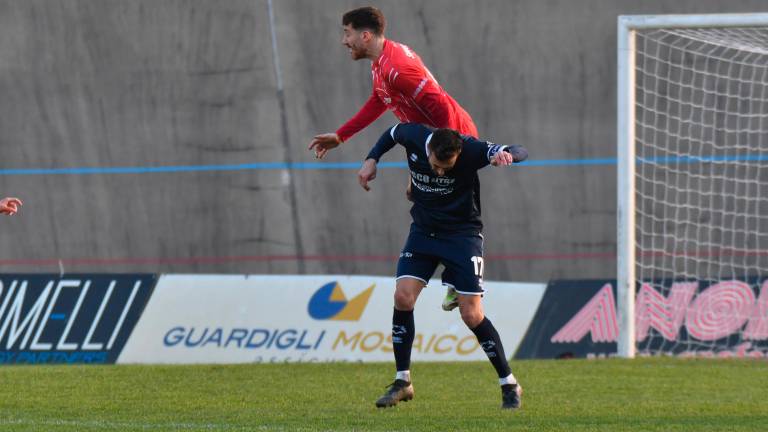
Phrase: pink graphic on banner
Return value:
(598, 317)
(724, 309)
(665, 314)
(757, 329)
(720, 311)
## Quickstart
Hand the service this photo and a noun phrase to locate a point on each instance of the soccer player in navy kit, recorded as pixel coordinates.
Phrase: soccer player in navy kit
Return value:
(446, 229)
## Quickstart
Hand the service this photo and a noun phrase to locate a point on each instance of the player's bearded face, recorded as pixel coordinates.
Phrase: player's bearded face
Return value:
(353, 40)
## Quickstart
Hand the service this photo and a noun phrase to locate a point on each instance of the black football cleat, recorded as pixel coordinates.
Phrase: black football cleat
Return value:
(397, 391)
(510, 396)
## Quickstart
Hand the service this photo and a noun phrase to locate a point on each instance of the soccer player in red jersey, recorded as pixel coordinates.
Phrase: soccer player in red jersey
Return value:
(402, 84)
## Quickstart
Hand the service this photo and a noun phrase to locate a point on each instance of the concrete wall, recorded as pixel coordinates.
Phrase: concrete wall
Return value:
(148, 83)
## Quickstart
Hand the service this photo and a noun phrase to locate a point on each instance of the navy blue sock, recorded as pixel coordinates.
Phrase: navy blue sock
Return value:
(402, 338)
(491, 343)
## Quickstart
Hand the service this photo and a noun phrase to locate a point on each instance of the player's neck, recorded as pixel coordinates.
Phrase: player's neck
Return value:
(377, 47)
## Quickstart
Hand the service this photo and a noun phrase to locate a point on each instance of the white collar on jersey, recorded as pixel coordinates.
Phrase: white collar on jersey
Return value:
(426, 145)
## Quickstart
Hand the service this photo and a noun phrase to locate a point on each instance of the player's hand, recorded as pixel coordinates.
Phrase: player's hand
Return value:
(9, 206)
(367, 173)
(502, 158)
(322, 143)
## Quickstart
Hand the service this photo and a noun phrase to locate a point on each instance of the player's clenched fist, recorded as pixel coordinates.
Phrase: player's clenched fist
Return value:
(367, 173)
(9, 206)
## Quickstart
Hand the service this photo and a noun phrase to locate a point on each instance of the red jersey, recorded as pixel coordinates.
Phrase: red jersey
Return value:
(402, 84)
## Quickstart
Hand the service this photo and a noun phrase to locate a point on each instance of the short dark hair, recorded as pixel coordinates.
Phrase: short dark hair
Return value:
(368, 18)
(445, 143)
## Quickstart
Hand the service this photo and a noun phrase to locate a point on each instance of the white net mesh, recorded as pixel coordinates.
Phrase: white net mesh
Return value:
(702, 191)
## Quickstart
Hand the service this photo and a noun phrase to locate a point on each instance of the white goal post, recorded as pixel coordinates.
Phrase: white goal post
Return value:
(692, 136)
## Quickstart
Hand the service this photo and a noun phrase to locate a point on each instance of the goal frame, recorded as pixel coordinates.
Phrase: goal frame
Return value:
(625, 212)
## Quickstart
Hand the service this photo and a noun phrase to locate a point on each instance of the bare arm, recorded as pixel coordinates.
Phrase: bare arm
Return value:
(372, 110)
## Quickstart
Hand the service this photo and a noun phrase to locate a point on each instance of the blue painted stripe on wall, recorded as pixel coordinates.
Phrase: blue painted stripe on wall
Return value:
(308, 166)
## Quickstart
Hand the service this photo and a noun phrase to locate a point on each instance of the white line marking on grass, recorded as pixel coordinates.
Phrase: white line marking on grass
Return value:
(122, 425)
(105, 424)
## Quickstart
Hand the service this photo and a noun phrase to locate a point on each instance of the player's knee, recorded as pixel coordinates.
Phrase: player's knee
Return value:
(404, 300)
(472, 317)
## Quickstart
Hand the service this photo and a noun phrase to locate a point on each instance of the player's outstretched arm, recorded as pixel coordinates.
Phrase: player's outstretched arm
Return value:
(371, 110)
(510, 154)
(480, 154)
(367, 173)
(383, 145)
(9, 206)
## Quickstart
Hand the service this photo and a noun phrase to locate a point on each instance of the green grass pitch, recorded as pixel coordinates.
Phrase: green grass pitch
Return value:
(560, 395)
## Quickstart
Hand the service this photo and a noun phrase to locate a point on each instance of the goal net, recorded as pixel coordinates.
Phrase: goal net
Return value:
(693, 185)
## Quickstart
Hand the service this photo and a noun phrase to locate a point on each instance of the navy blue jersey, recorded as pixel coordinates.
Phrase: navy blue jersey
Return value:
(448, 203)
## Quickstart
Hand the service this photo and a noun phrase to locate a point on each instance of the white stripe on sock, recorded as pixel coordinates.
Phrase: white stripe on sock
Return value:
(403, 375)
(508, 380)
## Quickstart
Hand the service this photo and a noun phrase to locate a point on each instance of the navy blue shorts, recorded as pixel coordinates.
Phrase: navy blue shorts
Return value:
(461, 254)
